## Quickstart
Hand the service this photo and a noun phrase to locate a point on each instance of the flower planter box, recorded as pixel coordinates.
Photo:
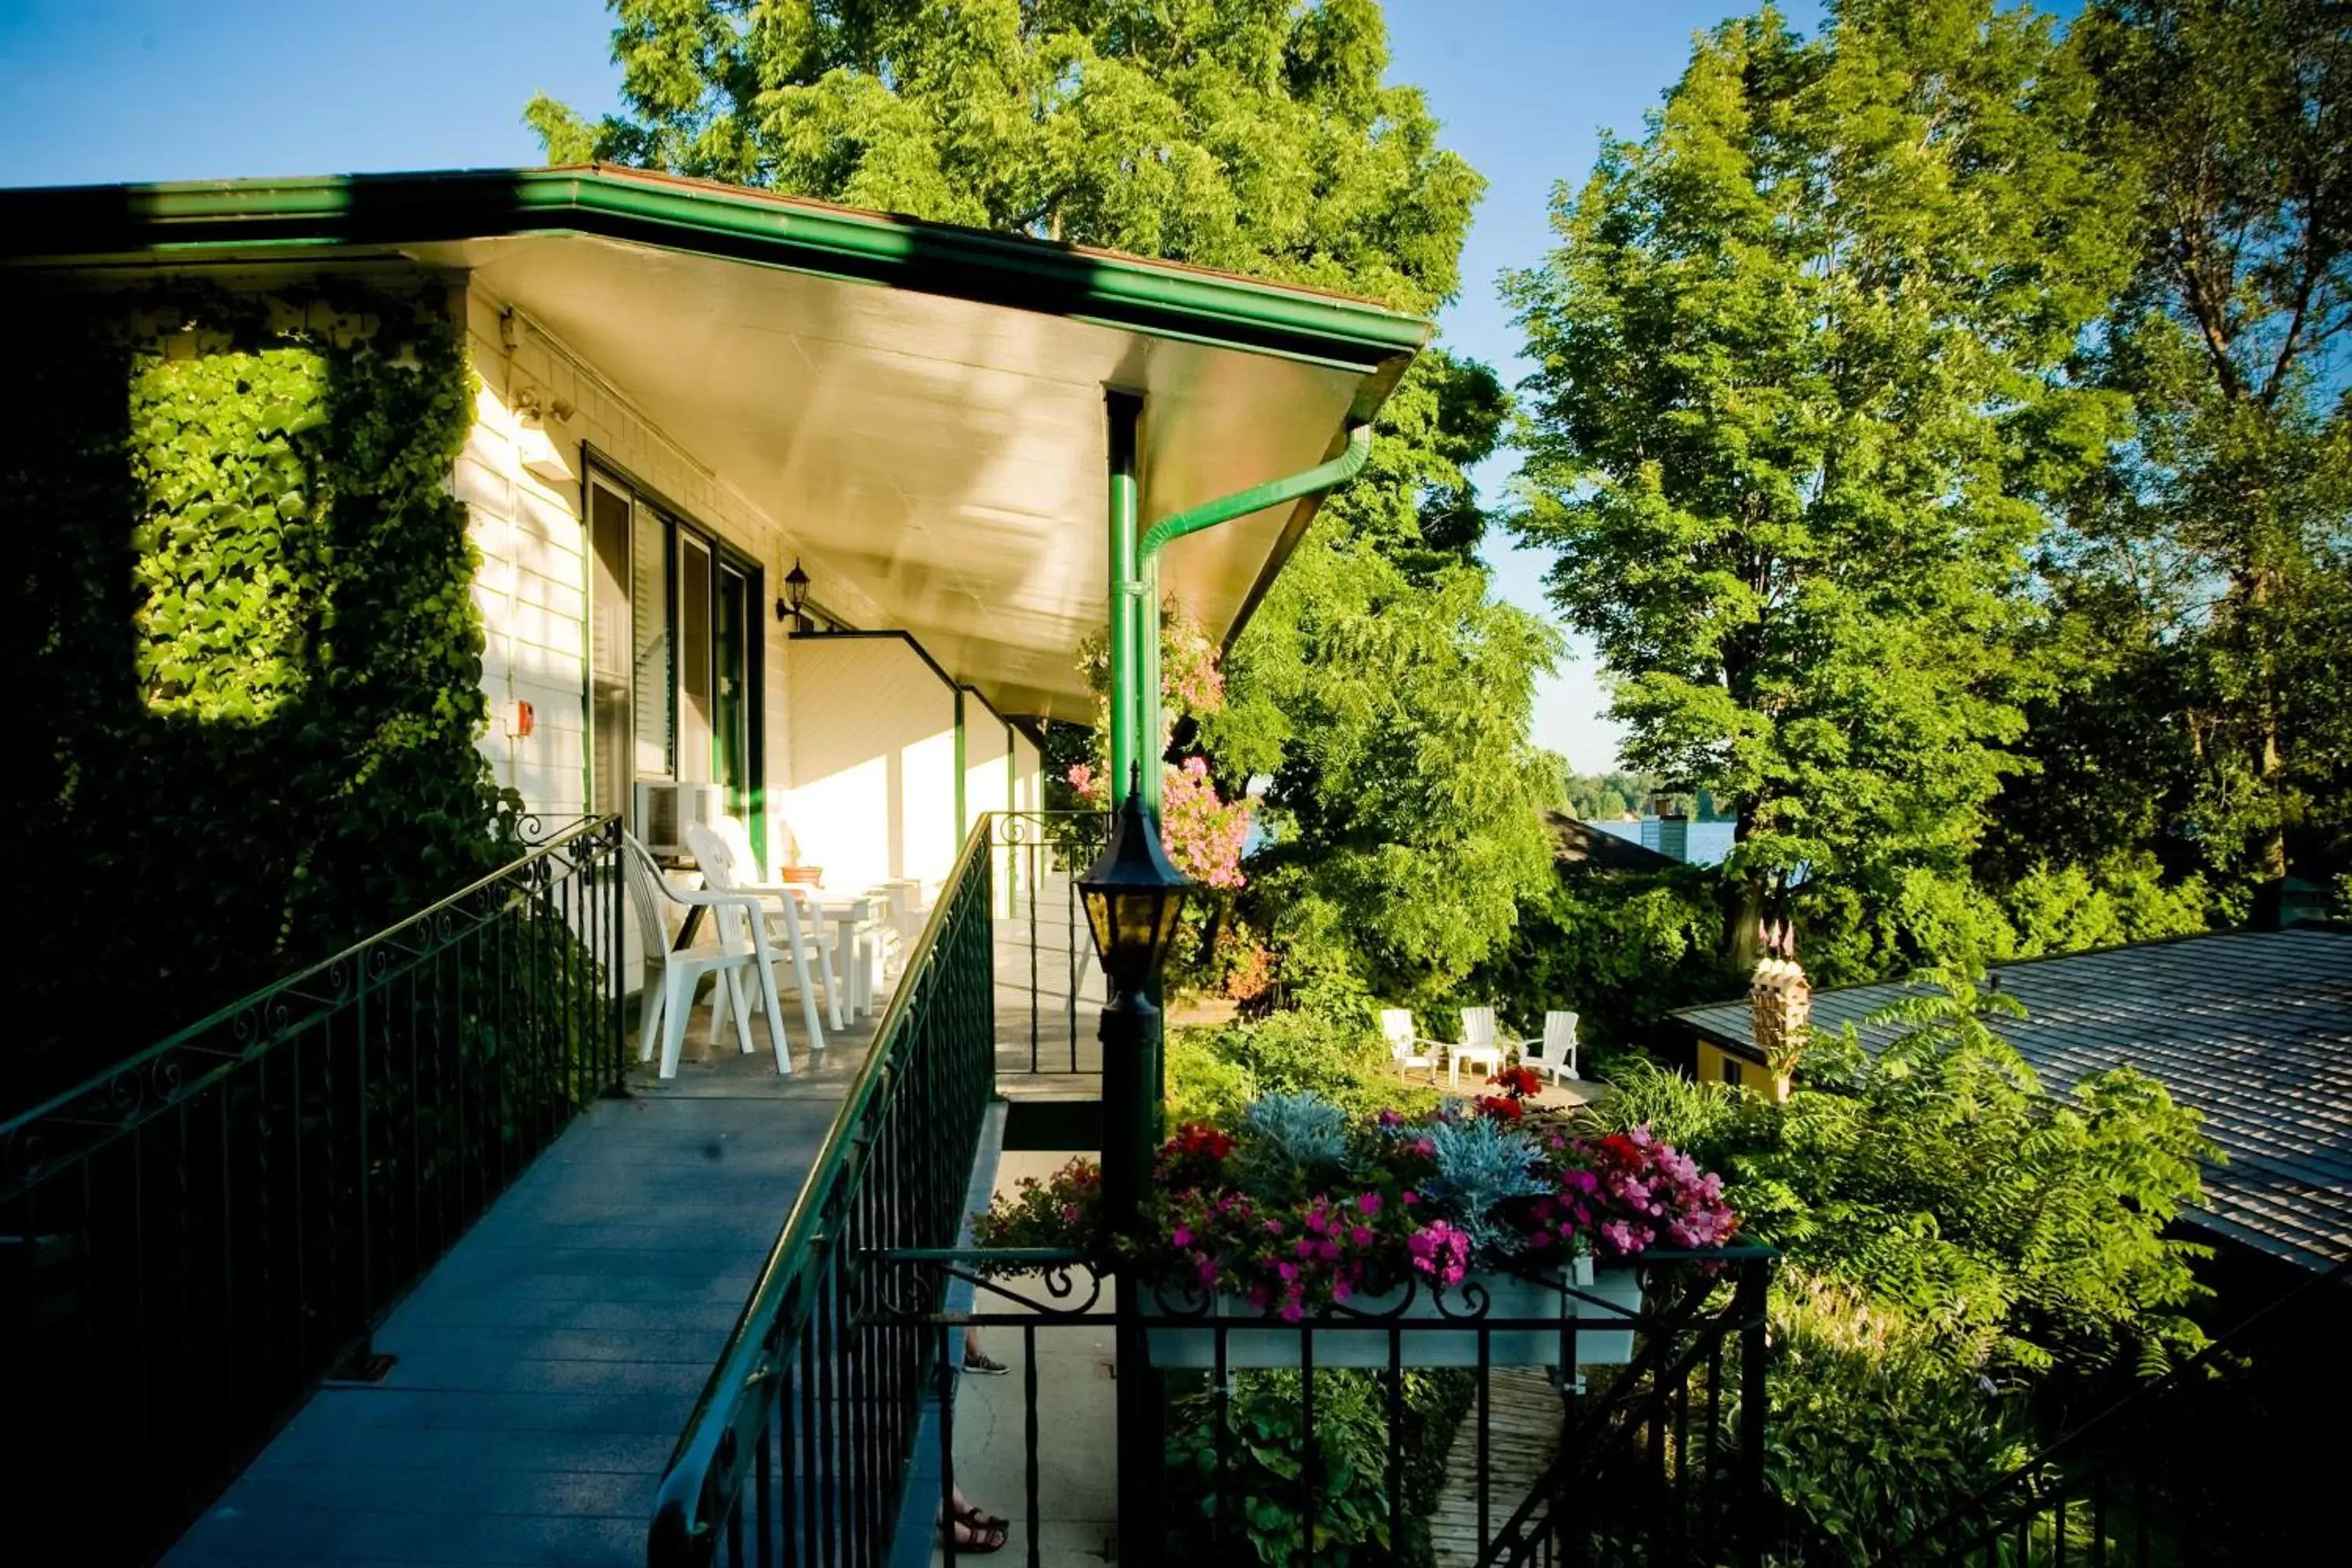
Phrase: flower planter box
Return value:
(1429, 1337)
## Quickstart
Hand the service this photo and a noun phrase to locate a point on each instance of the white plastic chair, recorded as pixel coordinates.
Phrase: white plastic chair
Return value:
(1406, 1049)
(1555, 1054)
(808, 906)
(738, 943)
(719, 868)
(1479, 1044)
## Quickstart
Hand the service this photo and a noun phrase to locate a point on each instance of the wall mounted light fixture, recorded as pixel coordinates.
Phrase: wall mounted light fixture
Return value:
(795, 600)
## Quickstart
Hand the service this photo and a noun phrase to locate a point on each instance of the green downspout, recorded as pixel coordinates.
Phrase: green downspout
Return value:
(1274, 492)
(1126, 411)
(962, 824)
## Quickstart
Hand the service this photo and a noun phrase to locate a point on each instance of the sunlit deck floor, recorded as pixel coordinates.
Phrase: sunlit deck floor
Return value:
(548, 1363)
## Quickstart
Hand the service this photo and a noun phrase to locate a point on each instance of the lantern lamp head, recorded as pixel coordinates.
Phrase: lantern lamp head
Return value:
(1134, 897)
(796, 588)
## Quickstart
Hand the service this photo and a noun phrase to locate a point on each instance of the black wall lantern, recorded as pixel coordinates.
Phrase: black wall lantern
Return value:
(795, 599)
(1134, 897)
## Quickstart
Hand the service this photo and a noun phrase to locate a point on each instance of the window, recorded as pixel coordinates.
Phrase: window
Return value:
(1731, 1074)
(611, 650)
(694, 659)
(671, 647)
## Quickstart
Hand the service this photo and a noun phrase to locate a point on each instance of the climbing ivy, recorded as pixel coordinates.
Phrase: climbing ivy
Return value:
(250, 667)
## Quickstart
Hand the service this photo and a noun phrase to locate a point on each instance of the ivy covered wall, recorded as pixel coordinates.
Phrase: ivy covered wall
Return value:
(249, 670)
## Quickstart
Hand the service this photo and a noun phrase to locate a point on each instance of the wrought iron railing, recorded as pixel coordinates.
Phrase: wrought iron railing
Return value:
(1043, 952)
(193, 1239)
(1654, 1454)
(2133, 1485)
(797, 1450)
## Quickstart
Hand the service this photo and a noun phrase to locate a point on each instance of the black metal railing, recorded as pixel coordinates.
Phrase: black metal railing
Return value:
(1042, 950)
(192, 1240)
(2174, 1472)
(1431, 1428)
(797, 1450)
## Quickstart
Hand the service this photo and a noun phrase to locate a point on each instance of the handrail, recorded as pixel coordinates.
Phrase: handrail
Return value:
(97, 1083)
(225, 1217)
(716, 1432)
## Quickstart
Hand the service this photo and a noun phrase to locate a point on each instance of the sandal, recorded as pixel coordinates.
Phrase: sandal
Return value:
(974, 1540)
(979, 1518)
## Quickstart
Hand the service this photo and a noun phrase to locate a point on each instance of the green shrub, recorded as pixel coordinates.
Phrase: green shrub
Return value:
(1711, 1122)
(1938, 1178)
(1265, 1449)
(1620, 950)
(1876, 1432)
(1213, 1072)
(249, 665)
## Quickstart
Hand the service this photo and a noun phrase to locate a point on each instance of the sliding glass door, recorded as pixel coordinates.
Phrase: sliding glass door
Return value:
(731, 658)
(673, 644)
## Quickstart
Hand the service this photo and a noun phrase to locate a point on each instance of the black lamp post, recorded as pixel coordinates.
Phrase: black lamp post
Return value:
(1134, 898)
(796, 587)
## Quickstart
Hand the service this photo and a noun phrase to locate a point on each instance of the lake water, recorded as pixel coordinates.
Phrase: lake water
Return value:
(1710, 842)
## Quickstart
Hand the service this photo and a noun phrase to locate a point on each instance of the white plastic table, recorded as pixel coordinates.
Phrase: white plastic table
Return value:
(1490, 1056)
(856, 942)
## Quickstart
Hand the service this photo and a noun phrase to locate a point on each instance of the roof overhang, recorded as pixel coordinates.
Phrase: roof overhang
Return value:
(918, 406)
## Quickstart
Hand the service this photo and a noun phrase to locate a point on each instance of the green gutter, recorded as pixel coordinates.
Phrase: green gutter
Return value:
(88, 225)
(1274, 492)
(1311, 481)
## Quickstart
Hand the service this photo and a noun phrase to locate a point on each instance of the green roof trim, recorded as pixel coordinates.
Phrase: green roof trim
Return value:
(229, 219)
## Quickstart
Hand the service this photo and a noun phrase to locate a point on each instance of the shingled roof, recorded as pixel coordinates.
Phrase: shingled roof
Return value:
(1580, 847)
(2252, 1028)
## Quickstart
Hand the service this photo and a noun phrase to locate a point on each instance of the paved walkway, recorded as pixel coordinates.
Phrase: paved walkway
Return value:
(548, 1362)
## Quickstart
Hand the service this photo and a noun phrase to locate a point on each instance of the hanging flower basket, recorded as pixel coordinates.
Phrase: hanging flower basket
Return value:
(1431, 1330)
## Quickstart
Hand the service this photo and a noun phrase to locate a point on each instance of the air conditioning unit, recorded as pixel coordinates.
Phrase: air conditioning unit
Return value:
(665, 810)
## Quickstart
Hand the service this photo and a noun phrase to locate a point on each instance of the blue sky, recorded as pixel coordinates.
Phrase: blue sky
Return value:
(98, 90)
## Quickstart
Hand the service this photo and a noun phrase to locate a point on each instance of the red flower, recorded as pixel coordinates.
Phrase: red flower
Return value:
(1195, 1138)
(1518, 1082)
(1500, 1109)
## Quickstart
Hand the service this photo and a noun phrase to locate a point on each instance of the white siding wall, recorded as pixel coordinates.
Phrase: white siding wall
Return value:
(987, 751)
(988, 781)
(1028, 775)
(531, 589)
(873, 762)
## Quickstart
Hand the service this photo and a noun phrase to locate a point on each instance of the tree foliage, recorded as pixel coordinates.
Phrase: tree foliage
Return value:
(1800, 379)
(1938, 1177)
(2208, 573)
(244, 604)
(1963, 1252)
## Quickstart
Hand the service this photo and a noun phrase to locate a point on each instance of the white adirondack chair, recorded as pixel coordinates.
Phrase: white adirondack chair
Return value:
(1406, 1049)
(1554, 1054)
(1479, 1044)
(720, 869)
(738, 943)
(807, 908)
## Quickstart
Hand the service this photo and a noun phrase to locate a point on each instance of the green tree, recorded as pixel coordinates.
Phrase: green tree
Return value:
(1801, 381)
(1380, 686)
(2219, 544)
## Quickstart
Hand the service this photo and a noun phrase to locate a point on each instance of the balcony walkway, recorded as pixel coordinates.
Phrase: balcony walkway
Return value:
(547, 1364)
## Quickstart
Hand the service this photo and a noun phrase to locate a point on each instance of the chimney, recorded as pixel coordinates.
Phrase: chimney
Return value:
(1781, 1008)
(1673, 830)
